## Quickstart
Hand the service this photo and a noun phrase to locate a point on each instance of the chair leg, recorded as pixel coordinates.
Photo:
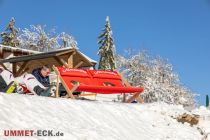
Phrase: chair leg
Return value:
(124, 98)
(57, 88)
(70, 93)
(132, 98)
(140, 100)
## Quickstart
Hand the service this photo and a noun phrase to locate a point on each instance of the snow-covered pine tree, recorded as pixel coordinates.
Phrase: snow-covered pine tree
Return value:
(9, 36)
(157, 77)
(107, 48)
(37, 38)
(68, 40)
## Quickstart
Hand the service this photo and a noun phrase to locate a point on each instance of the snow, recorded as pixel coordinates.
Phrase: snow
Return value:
(17, 48)
(93, 120)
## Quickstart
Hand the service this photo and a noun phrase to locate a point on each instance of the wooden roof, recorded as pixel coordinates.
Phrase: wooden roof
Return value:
(62, 57)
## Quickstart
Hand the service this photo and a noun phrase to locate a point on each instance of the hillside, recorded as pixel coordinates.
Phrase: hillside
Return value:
(97, 120)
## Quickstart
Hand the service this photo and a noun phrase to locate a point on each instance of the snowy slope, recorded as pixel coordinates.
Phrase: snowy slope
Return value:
(94, 120)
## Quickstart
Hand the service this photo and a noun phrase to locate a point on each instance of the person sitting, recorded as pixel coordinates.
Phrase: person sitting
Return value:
(32, 84)
(42, 75)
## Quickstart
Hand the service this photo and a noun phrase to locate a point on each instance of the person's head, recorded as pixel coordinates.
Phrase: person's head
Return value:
(45, 70)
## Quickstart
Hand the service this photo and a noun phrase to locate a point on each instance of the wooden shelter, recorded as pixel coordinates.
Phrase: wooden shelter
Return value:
(8, 52)
(68, 57)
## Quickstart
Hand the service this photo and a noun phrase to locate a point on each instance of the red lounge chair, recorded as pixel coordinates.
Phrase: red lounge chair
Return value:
(96, 81)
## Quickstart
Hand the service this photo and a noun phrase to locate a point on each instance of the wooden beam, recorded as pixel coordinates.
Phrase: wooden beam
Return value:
(58, 60)
(14, 68)
(79, 64)
(3, 66)
(61, 61)
(15, 53)
(22, 68)
(64, 62)
(1, 53)
(65, 52)
(71, 60)
(69, 91)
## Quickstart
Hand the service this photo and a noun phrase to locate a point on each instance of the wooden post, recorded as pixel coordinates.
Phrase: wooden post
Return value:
(58, 60)
(22, 68)
(14, 69)
(64, 63)
(1, 53)
(61, 61)
(124, 97)
(70, 61)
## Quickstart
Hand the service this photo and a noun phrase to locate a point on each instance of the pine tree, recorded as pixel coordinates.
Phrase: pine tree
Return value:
(9, 36)
(107, 48)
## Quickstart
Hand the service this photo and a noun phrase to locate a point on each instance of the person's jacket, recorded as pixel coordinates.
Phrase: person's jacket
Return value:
(45, 81)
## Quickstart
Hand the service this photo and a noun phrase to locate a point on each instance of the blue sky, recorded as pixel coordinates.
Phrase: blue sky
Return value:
(178, 30)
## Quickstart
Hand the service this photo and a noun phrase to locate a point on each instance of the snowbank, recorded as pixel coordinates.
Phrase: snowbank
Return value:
(96, 120)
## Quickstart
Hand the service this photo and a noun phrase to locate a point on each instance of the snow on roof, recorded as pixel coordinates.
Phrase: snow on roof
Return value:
(17, 49)
(91, 60)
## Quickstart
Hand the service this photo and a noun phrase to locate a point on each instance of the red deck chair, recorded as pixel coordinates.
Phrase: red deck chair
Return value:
(96, 81)
(112, 82)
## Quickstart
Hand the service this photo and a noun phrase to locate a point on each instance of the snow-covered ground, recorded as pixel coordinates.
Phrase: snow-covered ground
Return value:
(97, 120)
